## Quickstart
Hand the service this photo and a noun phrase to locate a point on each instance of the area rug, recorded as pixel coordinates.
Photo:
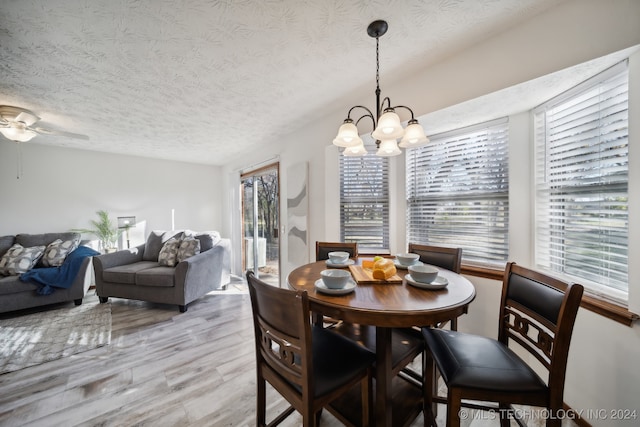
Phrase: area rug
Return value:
(37, 338)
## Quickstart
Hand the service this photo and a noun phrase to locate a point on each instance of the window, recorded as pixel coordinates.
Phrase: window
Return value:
(458, 192)
(364, 201)
(582, 181)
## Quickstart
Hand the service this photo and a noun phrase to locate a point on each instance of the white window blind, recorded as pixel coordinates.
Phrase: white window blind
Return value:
(582, 183)
(458, 192)
(364, 201)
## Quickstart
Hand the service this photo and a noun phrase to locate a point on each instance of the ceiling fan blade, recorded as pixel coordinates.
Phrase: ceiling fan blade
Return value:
(52, 132)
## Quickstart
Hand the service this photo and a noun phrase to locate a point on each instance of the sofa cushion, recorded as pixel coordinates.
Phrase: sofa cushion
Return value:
(28, 240)
(157, 276)
(5, 243)
(126, 274)
(208, 239)
(13, 285)
(18, 259)
(189, 246)
(152, 246)
(57, 251)
(169, 253)
(154, 243)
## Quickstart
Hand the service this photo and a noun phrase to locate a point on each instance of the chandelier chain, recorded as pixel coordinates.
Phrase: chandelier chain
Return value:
(377, 63)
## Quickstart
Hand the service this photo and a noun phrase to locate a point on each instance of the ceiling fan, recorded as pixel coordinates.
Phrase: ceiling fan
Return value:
(16, 124)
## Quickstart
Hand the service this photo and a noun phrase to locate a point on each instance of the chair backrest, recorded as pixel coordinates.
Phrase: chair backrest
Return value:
(282, 334)
(449, 258)
(538, 312)
(323, 249)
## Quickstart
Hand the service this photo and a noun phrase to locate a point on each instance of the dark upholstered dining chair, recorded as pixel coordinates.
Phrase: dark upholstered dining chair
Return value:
(449, 258)
(407, 343)
(537, 312)
(309, 366)
(322, 253)
(323, 249)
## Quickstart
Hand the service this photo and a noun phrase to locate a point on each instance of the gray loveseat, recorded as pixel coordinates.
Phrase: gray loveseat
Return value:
(136, 273)
(16, 294)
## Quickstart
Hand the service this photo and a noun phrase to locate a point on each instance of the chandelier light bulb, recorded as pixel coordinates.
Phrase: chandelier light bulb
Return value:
(355, 151)
(347, 135)
(389, 126)
(388, 148)
(414, 135)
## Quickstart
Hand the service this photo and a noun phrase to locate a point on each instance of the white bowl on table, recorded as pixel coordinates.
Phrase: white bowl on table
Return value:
(407, 259)
(338, 257)
(423, 273)
(335, 279)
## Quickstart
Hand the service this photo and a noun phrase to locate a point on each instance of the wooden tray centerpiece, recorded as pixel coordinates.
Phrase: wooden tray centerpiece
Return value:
(364, 276)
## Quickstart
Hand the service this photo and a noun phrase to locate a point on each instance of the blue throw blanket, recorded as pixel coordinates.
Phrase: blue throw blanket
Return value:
(58, 277)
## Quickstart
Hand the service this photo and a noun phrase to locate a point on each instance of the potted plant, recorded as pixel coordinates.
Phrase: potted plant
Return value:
(105, 231)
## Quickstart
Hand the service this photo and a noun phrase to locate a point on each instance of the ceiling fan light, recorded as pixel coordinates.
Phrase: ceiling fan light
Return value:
(414, 136)
(388, 148)
(347, 135)
(355, 151)
(17, 134)
(389, 126)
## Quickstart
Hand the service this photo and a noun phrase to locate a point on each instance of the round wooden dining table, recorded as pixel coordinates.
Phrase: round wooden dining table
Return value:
(386, 306)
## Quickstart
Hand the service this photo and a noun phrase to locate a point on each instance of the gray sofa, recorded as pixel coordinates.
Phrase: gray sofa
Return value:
(17, 295)
(136, 273)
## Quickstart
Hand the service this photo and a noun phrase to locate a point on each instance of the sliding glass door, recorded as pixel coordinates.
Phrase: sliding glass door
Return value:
(261, 222)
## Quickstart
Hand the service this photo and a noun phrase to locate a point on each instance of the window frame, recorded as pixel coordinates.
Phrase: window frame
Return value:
(494, 199)
(596, 290)
(381, 197)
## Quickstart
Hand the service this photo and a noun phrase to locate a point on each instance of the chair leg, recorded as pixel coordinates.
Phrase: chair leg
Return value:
(505, 421)
(554, 419)
(310, 419)
(429, 389)
(367, 399)
(261, 402)
(454, 404)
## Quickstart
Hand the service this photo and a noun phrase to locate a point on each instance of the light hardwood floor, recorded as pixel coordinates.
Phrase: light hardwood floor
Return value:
(163, 368)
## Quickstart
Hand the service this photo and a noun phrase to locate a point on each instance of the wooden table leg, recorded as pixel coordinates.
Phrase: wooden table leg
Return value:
(383, 377)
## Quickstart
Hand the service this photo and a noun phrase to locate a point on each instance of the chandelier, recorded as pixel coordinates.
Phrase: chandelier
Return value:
(387, 129)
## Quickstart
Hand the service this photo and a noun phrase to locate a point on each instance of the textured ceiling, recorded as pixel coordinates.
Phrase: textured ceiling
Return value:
(205, 81)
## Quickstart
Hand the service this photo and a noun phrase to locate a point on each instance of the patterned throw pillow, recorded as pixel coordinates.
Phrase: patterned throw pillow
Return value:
(57, 252)
(18, 259)
(189, 247)
(169, 252)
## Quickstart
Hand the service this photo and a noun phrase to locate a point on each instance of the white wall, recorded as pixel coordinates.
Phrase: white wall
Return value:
(572, 33)
(603, 353)
(62, 188)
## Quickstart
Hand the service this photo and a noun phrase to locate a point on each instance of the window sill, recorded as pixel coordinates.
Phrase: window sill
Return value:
(486, 272)
(604, 308)
(609, 310)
